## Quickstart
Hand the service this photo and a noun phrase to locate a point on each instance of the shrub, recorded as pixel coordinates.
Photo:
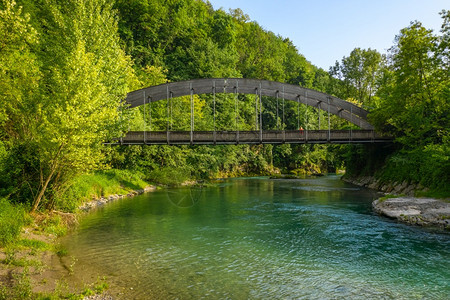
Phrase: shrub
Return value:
(12, 218)
(169, 176)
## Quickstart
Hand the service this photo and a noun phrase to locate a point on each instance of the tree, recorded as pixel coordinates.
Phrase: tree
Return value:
(19, 88)
(414, 106)
(83, 76)
(358, 74)
(19, 71)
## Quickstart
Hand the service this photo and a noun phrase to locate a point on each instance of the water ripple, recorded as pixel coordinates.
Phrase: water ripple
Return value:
(262, 239)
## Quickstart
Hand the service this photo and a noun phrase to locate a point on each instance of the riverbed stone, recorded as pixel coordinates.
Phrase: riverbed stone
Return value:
(97, 202)
(418, 211)
(409, 190)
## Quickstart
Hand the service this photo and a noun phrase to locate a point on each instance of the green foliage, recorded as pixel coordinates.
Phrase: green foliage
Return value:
(63, 83)
(414, 106)
(54, 225)
(412, 92)
(98, 288)
(77, 74)
(19, 167)
(35, 245)
(429, 167)
(61, 251)
(22, 289)
(169, 176)
(384, 198)
(19, 72)
(64, 74)
(101, 285)
(358, 74)
(100, 183)
(12, 219)
(366, 160)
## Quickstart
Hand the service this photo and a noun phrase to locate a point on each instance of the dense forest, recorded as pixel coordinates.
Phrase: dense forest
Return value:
(66, 66)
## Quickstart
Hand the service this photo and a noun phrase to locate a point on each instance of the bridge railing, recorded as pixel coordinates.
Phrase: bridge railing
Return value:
(252, 137)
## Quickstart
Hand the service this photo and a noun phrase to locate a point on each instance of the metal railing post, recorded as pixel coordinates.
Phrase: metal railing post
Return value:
(192, 113)
(260, 114)
(145, 127)
(214, 104)
(236, 91)
(329, 132)
(168, 124)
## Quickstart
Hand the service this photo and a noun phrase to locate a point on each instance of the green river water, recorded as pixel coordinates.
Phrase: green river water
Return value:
(259, 238)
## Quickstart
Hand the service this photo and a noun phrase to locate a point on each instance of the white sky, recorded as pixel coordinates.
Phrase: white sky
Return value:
(326, 30)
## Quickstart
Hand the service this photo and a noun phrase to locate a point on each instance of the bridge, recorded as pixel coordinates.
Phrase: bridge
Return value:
(259, 88)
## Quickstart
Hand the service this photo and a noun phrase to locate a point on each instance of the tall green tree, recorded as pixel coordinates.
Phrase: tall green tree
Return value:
(19, 89)
(358, 74)
(19, 72)
(63, 97)
(415, 99)
(414, 105)
(86, 75)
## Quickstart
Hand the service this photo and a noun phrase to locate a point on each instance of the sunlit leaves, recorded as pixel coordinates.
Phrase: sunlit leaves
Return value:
(414, 99)
(19, 73)
(62, 85)
(358, 74)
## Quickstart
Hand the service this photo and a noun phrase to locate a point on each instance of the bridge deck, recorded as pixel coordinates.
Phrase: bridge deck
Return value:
(250, 137)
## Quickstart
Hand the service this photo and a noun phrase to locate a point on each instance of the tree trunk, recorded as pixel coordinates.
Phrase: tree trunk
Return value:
(53, 168)
(38, 199)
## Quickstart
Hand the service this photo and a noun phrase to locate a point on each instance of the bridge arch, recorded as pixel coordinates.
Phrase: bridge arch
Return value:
(344, 109)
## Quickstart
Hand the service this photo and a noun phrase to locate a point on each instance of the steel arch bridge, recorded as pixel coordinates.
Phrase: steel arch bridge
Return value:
(321, 101)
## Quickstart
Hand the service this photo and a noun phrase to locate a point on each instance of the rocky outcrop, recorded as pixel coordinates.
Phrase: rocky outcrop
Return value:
(415, 211)
(404, 206)
(103, 200)
(394, 188)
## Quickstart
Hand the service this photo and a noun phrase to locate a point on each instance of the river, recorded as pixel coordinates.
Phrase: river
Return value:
(259, 238)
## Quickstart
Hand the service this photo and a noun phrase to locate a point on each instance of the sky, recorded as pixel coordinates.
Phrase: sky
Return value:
(325, 31)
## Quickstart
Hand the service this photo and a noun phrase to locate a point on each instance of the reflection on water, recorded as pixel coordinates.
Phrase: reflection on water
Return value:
(184, 197)
(260, 239)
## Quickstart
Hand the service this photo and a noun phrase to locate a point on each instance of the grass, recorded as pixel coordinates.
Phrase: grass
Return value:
(98, 288)
(99, 184)
(389, 196)
(442, 194)
(33, 244)
(54, 225)
(20, 290)
(61, 251)
(21, 286)
(12, 219)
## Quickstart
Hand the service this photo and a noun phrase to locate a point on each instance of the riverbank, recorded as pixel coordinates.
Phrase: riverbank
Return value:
(36, 267)
(106, 199)
(394, 188)
(401, 203)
